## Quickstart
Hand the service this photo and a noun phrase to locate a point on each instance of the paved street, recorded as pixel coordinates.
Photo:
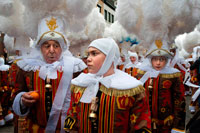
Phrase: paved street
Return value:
(7, 128)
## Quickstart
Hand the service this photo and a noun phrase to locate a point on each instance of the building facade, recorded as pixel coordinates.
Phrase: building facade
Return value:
(107, 8)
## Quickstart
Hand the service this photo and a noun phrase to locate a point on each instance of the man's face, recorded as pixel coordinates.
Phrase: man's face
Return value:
(158, 62)
(95, 60)
(133, 59)
(51, 51)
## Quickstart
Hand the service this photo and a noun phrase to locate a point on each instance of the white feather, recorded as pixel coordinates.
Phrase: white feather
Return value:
(6, 7)
(116, 31)
(157, 19)
(191, 40)
(8, 42)
(95, 25)
(80, 8)
(13, 25)
(129, 14)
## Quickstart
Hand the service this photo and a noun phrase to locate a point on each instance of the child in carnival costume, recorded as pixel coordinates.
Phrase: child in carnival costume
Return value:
(107, 99)
(165, 90)
(130, 68)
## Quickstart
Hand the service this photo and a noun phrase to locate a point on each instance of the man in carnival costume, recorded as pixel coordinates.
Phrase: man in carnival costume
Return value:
(165, 90)
(43, 81)
(107, 99)
(5, 92)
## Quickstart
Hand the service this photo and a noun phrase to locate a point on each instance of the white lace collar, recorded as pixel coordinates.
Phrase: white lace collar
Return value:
(46, 70)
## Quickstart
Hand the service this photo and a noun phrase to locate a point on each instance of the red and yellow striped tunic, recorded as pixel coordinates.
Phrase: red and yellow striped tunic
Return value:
(37, 118)
(118, 110)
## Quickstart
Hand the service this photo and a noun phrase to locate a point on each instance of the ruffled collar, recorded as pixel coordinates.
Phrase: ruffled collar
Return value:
(45, 69)
(152, 73)
(130, 64)
(165, 70)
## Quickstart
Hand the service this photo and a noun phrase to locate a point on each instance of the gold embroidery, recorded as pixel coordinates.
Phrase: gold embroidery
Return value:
(69, 123)
(133, 118)
(167, 84)
(172, 75)
(159, 44)
(52, 24)
(112, 92)
(128, 92)
(163, 110)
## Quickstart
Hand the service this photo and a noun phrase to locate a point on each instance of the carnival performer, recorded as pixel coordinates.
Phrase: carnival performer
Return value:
(196, 63)
(165, 90)
(195, 79)
(130, 68)
(122, 62)
(43, 80)
(182, 65)
(6, 114)
(107, 99)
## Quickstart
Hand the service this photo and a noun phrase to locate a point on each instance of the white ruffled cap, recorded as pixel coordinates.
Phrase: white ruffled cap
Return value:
(52, 28)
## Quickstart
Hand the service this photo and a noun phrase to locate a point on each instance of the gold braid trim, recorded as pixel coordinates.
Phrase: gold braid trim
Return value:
(77, 89)
(53, 32)
(129, 92)
(159, 49)
(146, 130)
(112, 92)
(172, 75)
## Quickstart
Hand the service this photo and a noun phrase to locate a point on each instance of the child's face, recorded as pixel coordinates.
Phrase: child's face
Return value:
(158, 62)
(133, 59)
(95, 60)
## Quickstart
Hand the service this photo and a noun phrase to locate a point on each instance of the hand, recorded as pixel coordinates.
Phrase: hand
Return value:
(27, 99)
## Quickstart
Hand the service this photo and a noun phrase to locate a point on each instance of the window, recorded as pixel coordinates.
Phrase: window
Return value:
(105, 14)
(109, 17)
(112, 18)
(99, 8)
